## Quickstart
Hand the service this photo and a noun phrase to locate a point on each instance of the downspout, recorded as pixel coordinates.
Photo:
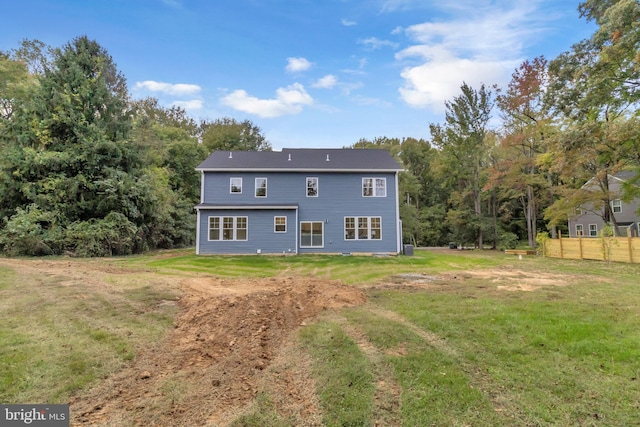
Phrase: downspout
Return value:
(201, 186)
(398, 223)
(296, 233)
(197, 231)
(198, 213)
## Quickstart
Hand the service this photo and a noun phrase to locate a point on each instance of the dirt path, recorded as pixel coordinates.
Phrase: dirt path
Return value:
(227, 336)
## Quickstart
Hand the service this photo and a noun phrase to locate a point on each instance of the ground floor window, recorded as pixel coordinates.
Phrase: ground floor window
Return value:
(228, 228)
(362, 228)
(593, 230)
(579, 230)
(280, 224)
(311, 234)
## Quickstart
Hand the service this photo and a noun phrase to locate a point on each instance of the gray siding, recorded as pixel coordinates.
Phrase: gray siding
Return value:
(591, 216)
(339, 196)
(260, 233)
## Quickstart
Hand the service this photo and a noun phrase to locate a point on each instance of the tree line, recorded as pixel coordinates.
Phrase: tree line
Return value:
(88, 171)
(561, 123)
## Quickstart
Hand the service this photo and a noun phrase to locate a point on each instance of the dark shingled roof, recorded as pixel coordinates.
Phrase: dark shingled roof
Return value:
(302, 159)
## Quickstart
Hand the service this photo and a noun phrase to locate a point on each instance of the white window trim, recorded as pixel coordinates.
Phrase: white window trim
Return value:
(275, 224)
(311, 247)
(306, 181)
(356, 222)
(617, 203)
(579, 230)
(221, 229)
(374, 188)
(596, 229)
(231, 185)
(266, 187)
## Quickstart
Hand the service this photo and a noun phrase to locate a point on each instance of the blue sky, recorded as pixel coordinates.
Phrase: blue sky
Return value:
(309, 73)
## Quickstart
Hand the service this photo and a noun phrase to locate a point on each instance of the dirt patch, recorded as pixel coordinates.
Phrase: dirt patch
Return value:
(513, 279)
(227, 336)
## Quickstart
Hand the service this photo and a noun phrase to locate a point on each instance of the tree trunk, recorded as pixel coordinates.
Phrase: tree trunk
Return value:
(478, 210)
(531, 217)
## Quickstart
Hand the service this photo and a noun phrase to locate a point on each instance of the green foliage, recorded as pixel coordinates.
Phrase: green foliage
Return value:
(117, 177)
(541, 239)
(112, 235)
(507, 240)
(30, 232)
(464, 155)
(229, 134)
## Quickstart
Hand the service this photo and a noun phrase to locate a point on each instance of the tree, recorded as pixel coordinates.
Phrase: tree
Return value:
(526, 125)
(595, 89)
(600, 74)
(14, 83)
(229, 134)
(68, 154)
(463, 147)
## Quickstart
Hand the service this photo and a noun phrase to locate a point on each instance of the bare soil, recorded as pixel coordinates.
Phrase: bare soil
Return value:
(226, 337)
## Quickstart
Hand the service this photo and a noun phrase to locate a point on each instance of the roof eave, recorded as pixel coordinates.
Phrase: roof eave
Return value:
(296, 170)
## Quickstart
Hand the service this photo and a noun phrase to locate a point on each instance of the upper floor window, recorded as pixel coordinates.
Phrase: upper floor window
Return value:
(261, 187)
(616, 206)
(235, 185)
(374, 187)
(312, 187)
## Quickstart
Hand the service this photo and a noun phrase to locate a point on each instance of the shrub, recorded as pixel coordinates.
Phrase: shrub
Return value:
(29, 232)
(541, 239)
(507, 240)
(112, 235)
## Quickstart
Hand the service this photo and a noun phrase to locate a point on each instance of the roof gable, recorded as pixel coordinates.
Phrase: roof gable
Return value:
(302, 159)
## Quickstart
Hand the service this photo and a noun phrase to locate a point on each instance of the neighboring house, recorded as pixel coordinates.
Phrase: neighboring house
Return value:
(299, 201)
(588, 221)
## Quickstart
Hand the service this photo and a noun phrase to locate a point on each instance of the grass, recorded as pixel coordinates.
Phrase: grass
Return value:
(460, 351)
(344, 375)
(58, 337)
(349, 269)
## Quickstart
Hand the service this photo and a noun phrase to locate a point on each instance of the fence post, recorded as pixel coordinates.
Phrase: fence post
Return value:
(630, 245)
(560, 241)
(580, 244)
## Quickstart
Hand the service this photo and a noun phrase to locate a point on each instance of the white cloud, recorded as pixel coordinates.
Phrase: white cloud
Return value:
(484, 47)
(194, 104)
(326, 82)
(289, 100)
(348, 23)
(393, 5)
(173, 3)
(297, 64)
(168, 88)
(375, 43)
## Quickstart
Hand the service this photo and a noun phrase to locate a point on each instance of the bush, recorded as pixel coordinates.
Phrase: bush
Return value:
(507, 240)
(541, 239)
(112, 235)
(29, 232)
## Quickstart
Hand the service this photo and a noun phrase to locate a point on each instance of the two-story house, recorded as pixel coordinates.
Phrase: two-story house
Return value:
(588, 219)
(299, 201)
